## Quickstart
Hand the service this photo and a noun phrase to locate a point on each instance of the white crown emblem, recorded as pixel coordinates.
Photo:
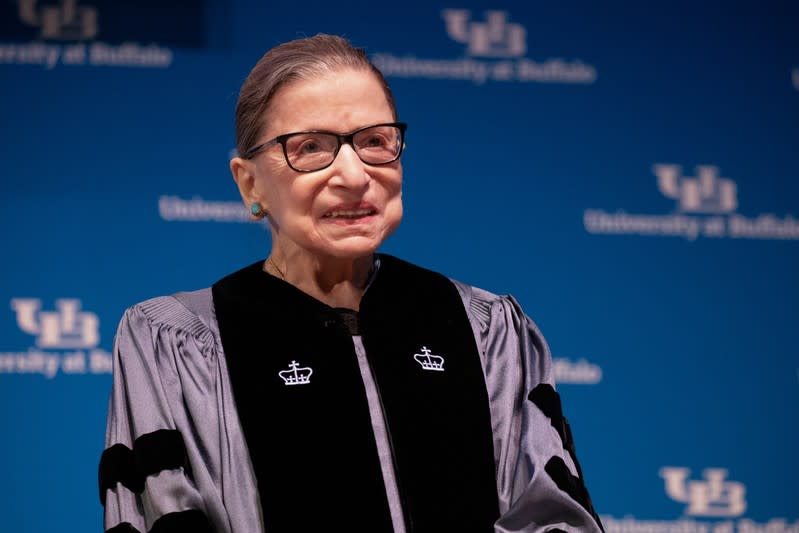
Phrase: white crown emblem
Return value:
(429, 361)
(296, 375)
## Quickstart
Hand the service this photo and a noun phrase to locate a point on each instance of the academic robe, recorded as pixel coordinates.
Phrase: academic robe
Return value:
(250, 407)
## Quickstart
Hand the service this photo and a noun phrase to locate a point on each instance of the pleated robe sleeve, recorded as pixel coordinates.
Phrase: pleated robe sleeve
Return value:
(175, 458)
(538, 478)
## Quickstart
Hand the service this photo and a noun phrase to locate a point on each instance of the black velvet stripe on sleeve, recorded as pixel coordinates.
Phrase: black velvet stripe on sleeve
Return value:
(124, 527)
(116, 466)
(547, 399)
(193, 521)
(160, 450)
(154, 452)
(571, 485)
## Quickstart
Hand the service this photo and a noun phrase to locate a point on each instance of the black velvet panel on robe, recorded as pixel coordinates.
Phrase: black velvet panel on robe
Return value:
(439, 420)
(311, 443)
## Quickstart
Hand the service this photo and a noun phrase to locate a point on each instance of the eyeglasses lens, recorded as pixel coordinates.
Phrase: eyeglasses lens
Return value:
(313, 151)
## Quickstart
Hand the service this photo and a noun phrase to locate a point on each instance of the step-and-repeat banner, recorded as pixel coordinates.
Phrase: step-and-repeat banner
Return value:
(628, 170)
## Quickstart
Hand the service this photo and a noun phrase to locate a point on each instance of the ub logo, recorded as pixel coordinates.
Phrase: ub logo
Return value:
(66, 21)
(64, 328)
(493, 38)
(705, 193)
(711, 497)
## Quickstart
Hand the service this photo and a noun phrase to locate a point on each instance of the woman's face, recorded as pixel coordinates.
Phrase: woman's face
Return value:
(347, 209)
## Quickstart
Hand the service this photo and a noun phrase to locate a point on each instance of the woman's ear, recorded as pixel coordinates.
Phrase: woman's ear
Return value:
(243, 171)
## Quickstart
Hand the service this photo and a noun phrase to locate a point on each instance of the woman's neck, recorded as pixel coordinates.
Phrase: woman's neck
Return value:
(334, 281)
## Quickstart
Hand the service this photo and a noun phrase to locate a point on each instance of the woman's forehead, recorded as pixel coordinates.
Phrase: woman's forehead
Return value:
(335, 101)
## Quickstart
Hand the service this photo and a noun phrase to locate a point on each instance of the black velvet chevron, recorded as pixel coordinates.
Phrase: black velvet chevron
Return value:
(152, 452)
(124, 527)
(192, 521)
(571, 485)
(307, 442)
(116, 466)
(547, 399)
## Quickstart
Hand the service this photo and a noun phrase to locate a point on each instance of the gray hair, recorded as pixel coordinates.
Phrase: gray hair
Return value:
(300, 59)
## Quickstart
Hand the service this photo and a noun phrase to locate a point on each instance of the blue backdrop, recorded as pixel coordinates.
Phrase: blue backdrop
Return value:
(627, 170)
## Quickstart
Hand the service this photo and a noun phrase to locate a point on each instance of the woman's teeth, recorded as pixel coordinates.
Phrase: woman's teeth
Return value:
(353, 213)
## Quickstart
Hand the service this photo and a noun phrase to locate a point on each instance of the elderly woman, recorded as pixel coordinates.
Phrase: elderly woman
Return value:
(312, 391)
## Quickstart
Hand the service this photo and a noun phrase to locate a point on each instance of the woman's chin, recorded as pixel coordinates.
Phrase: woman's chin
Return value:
(352, 242)
(354, 250)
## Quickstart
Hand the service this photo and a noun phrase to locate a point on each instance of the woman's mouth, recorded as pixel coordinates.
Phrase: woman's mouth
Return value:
(350, 213)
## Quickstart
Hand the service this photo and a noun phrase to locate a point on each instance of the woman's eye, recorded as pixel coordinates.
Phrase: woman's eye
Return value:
(309, 144)
(309, 147)
(312, 144)
(375, 141)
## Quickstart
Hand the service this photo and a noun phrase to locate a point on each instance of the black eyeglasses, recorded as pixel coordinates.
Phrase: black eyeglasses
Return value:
(309, 151)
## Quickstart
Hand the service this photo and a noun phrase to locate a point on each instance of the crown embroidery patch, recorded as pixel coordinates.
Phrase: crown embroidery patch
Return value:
(296, 375)
(429, 361)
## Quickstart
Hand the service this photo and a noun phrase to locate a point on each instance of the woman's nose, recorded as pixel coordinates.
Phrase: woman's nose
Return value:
(349, 170)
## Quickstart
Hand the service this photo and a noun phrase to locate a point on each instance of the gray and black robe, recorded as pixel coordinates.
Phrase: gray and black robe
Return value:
(252, 407)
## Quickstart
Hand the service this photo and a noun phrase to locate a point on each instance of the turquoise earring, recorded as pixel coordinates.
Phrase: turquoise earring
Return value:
(257, 211)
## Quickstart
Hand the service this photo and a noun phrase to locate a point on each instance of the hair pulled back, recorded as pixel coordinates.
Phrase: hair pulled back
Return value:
(300, 59)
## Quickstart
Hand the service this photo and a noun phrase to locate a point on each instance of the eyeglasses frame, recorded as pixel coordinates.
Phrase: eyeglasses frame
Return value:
(342, 138)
